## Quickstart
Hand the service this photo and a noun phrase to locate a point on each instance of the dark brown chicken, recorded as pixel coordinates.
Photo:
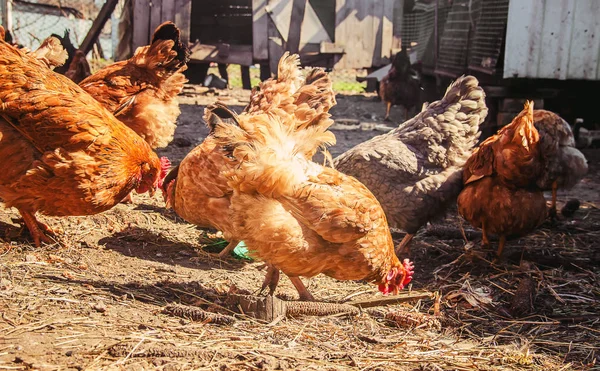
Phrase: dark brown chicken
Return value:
(401, 86)
(79, 68)
(500, 193)
(63, 153)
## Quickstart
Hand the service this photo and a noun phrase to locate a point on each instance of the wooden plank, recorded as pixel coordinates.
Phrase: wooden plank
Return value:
(246, 82)
(7, 15)
(168, 11)
(397, 27)
(260, 37)
(104, 15)
(275, 52)
(155, 15)
(585, 41)
(293, 39)
(402, 297)
(554, 51)
(341, 12)
(330, 48)
(387, 31)
(234, 54)
(183, 15)
(141, 25)
(377, 29)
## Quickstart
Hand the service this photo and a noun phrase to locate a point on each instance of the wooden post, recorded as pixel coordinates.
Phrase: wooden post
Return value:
(265, 72)
(293, 40)
(6, 9)
(103, 16)
(246, 84)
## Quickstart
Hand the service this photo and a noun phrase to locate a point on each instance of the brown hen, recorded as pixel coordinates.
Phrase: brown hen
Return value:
(197, 190)
(64, 154)
(142, 91)
(300, 217)
(500, 194)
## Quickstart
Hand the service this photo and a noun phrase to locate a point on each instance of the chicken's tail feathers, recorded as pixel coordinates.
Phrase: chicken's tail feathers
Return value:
(288, 70)
(166, 54)
(316, 95)
(269, 152)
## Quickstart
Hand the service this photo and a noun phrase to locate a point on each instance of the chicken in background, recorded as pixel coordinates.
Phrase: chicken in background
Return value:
(63, 153)
(76, 66)
(564, 165)
(300, 217)
(142, 91)
(500, 193)
(79, 68)
(51, 52)
(401, 86)
(197, 189)
(415, 170)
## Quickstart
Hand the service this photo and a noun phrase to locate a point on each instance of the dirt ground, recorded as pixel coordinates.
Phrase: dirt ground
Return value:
(97, 300)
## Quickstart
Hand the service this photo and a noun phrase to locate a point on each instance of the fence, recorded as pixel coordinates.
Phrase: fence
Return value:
(30, 22)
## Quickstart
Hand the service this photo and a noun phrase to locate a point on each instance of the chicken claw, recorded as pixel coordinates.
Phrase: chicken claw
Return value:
(38, 230)
(302, 290)
(271, 280)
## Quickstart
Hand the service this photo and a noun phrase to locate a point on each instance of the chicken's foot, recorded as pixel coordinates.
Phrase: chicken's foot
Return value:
(228, 249)
(553, 205)
(302, 290)
(271, 280)
(38, 230)
(404, 246)
(387, 111)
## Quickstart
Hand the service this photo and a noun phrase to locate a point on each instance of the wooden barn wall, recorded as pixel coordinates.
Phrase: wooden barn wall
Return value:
(149, 14)
(553, 39)
(365, 29)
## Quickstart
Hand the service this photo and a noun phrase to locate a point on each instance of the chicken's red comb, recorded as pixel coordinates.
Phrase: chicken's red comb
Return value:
(165, 165)
(409, 268)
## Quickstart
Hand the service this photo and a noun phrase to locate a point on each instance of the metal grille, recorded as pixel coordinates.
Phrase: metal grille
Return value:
(418, 30)
(489, 36)
(456, 37)
(35, 20)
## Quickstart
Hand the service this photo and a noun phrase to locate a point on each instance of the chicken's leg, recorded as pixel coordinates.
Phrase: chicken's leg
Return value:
(485, 242)
(302, 290)
(553, 205)
(271, 280)
(500, 246)
(38, 230)
(404, 247)
(228, 249)
(387, 111)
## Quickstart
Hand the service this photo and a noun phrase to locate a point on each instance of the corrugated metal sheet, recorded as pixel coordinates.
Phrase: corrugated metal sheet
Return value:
(553, 39)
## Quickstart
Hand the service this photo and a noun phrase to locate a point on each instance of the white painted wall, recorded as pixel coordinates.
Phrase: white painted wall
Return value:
(553, 39)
